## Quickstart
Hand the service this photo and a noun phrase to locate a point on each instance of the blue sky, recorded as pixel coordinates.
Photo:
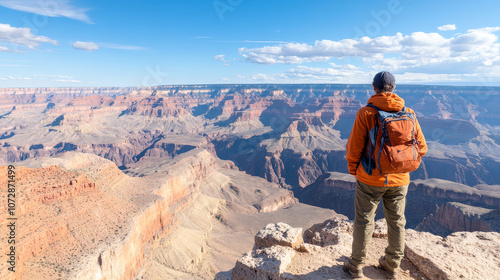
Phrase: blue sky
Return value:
(59, 43)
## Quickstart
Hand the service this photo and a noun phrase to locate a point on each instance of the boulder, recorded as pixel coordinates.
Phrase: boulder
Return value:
(279, 234)
(380, 230)
(330, 232)
(267, 263)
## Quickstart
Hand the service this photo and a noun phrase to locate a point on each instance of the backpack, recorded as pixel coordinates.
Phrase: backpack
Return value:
(391, 145)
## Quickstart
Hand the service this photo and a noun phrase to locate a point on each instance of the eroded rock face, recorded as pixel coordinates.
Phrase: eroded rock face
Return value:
(279, 234)
(452, 217)
(461, 255)
(80, 217)
(268, 263)
(336, 191)
(330, 232)
(293, 133)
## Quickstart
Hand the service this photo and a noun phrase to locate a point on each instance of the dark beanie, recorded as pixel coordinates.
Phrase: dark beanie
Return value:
(383, 78)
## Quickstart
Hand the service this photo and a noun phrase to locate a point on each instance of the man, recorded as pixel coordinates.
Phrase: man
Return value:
(370, 189)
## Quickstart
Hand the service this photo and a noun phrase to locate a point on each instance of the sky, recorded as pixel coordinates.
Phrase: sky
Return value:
(73, 43)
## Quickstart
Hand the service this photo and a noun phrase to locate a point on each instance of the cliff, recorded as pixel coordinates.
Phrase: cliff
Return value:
(335, 191)
(328, 244)
(452, 217)
(88, 219)
(287, 134)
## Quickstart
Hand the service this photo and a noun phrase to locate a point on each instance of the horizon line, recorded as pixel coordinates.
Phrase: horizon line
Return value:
(496, 84)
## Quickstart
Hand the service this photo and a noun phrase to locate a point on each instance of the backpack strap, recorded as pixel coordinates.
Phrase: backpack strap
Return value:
(369, 163)
(373, 106)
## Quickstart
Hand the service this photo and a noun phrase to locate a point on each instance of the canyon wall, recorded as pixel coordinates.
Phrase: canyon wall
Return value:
(80, 217)
(288, 134)
(336, 191)
(452, 217)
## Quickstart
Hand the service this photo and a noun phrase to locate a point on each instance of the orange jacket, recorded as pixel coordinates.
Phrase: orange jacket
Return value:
(364, 122)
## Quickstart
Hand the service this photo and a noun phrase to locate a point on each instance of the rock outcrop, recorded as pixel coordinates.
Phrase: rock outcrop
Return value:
(452, 217)
(326, 246)
(461, 255)
(279, 234)
(330, 232)
(268, 263)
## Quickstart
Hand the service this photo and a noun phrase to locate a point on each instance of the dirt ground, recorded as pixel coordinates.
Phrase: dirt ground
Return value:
(327, 263)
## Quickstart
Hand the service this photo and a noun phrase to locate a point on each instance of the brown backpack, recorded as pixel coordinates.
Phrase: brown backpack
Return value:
(391, 145)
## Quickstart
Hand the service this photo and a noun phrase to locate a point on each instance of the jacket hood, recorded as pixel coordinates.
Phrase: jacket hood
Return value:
(387, 101)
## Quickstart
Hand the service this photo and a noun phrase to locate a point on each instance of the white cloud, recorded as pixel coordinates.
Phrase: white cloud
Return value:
(409, 77)
(475, 44)
(91, 46)
(16, 78)
(447, 27)
(122, 47)
(54, 76)
(21, 36)
(476, 51)
(255, 41)
(85, 46)
(322, 50)
(222, 58)
(346, 74)
(349, 74)
(263, 77)
(68, 81)
(58, 8)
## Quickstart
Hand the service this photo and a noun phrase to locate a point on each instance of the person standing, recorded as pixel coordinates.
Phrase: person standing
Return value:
(383, 133)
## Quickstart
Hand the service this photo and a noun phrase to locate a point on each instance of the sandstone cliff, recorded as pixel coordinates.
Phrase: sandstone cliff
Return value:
(452, 217)
(89, 220)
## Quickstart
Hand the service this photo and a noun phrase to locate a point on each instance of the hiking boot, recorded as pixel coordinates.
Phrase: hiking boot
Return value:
(355, 272)
(391, 272)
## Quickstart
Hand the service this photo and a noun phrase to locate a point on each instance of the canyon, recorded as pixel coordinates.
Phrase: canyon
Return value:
(80, 217)
(173, 182)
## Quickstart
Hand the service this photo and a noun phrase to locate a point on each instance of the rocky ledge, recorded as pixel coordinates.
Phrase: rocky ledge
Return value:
(283, 252)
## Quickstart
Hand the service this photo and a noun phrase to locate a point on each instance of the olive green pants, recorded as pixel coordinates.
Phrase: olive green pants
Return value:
(366, 201)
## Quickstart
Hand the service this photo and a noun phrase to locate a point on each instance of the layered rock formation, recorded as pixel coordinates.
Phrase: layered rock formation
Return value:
(87, 219)
(452, 217)
(336, 191)
(154, 200)
(288, 134)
